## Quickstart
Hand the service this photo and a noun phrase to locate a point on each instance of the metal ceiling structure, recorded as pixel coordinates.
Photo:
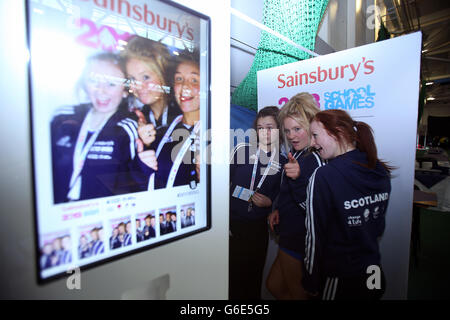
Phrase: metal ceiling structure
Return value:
(432, 17)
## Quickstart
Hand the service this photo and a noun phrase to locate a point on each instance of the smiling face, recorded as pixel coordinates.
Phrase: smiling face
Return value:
(104, 85)
(187, 86)
(145, 83)
(94, 235)
(327, 145)
(295, 134)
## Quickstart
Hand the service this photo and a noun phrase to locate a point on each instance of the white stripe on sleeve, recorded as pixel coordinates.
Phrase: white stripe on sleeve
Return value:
(310, 232)
(131, 130)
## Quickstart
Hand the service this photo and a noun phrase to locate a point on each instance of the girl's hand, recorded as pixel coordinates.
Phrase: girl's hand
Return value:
(261, 200)
(147, 132)
(292, 168)
(148, 157)
(197, 165)
(273, 218)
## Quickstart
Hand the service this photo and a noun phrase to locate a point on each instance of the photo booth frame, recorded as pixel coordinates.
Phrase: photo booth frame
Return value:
(62, 36)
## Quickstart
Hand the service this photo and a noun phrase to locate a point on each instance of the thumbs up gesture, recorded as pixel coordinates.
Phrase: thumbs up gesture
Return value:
(197, 165)
(147, 132)
(292, 168)
(148, 157)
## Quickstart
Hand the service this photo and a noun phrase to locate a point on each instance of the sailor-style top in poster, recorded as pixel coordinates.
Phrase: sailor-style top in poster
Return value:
(108, 80)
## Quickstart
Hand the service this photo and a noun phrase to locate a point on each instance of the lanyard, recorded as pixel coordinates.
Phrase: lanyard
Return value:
(163, 119)
(180, 155)
(255, 166)
(80, 153)
(263, 177)
(168, 133)
(164, 140)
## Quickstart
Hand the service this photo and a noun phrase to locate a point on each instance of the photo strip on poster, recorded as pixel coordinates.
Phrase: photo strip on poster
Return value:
(119, 101)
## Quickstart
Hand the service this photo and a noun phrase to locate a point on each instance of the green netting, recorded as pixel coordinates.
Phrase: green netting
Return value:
(296, 19)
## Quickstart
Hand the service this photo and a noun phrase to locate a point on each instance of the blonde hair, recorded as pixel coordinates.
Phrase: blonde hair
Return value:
(154, 54)
(302, 108)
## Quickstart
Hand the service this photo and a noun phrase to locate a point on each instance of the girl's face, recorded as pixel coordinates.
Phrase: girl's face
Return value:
(327, 145)
(145, 83)
(267, 130)
(187, 86)
(295, 134)
(47, 249)
(57, 244)
(104, 86)
(94, 235)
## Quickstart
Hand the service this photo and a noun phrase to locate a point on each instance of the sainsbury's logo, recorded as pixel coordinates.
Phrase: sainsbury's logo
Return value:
(349, 71)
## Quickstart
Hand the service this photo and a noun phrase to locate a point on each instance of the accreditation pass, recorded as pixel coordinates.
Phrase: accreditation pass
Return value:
(242, 193)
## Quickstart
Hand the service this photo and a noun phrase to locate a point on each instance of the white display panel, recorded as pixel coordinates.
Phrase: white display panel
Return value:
(376, 83)
(64, 38)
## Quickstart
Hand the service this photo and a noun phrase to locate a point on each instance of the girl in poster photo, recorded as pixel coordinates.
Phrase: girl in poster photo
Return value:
(149, 228)
(188, 217)
(93, 144)
(121, 235)
(56, 252)
(84, 249)
(147, 66)
(174, 158)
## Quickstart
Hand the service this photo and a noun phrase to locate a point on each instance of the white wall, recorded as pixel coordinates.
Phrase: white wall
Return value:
(203, 273)
(348, 24)
(245, 39)
(242, 55)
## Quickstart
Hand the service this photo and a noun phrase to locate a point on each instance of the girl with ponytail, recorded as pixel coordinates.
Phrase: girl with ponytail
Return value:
(346, 205)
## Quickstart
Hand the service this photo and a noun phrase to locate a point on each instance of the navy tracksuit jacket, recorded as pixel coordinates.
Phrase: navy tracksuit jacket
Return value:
(105, 172)
(346, 208)
(291, 202)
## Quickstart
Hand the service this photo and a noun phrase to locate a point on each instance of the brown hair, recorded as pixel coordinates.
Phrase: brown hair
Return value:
(269, 111)
(339, 124)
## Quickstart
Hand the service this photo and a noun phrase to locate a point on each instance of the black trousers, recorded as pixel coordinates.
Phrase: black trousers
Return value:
(352, 288)
(247, 256)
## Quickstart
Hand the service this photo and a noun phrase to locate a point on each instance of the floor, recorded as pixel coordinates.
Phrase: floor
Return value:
(429, 278)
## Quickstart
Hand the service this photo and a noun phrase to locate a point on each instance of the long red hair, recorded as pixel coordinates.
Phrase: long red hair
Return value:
(339, 124)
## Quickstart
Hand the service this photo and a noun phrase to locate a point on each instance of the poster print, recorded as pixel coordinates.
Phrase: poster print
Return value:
(119, 104)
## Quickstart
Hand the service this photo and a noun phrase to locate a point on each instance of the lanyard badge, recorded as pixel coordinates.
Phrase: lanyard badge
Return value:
(246, 194)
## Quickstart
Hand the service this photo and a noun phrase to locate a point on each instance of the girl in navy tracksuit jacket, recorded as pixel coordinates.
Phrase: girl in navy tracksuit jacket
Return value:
(173, 156)
(93, 144)
(346, 206)
(284, 280)
(254, 168)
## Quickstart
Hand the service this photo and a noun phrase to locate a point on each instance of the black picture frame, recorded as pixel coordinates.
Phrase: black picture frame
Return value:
(41, 144)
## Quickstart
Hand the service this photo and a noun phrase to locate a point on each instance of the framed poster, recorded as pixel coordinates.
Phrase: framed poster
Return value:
(120, 114)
